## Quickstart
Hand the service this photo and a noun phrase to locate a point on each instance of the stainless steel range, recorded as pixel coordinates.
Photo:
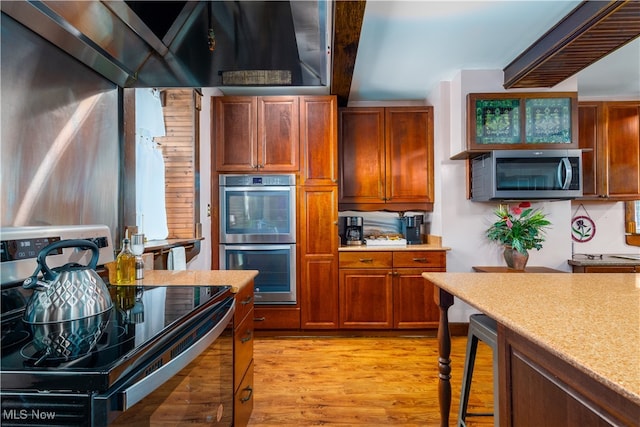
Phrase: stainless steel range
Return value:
(152, 335)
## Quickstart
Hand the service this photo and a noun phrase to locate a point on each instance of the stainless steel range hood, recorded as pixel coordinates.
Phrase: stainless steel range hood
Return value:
(165, 43)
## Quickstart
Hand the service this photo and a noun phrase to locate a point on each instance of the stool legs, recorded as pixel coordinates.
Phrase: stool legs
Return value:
(470, 359)
(481, 328)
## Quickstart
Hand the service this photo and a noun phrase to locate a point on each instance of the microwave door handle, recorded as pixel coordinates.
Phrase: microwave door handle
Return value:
(568, 175)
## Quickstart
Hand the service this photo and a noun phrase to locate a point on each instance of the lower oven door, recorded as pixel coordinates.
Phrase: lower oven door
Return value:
(276, 265)
(200, 393)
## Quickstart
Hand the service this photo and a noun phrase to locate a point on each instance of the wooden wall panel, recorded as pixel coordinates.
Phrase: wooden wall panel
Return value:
(179, 152)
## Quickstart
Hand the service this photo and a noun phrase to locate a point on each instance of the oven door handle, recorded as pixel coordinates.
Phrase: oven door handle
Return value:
(138, 391)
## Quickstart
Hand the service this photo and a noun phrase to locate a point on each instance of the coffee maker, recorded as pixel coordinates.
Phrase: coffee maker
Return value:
(351, 230)
(411, 229)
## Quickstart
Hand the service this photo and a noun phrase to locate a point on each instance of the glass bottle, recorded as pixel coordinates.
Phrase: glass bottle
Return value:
(125, 265)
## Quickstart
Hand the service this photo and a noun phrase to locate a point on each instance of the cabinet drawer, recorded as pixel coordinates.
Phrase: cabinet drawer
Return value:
(244, 301)
(365, 259)
(419, 259)
(242, 348)
(243, 400)
(276, 318)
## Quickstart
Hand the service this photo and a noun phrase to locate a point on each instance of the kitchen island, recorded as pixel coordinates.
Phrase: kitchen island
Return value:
(568, 344)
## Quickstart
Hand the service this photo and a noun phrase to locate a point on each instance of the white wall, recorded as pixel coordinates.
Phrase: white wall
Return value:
(462, 223)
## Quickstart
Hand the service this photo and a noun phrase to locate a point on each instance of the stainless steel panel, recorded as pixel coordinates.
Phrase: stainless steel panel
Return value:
(60, 149)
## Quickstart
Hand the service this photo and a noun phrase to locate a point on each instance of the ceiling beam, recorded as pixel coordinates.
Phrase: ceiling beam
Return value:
(347, 23)
(589, 32)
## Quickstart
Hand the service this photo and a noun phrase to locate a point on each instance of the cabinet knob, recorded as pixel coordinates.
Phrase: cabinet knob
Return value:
(419, 260)
(366, 260)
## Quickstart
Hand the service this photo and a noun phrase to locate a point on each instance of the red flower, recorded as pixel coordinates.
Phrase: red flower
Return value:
(516, 211)
(524, 205)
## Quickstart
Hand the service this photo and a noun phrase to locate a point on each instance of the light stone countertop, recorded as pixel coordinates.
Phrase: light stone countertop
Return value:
(422, 247)
(591, 321)
(237, 279)
(607, 260)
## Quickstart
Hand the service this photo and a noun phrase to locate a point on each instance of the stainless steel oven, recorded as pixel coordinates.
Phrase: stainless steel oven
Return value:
(258, 232)
(276, 281)
(257, 208)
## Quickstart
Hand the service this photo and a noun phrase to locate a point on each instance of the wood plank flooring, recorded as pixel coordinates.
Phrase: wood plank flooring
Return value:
(362, 381)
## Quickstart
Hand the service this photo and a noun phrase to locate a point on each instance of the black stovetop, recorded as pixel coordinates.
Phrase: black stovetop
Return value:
(131, 331)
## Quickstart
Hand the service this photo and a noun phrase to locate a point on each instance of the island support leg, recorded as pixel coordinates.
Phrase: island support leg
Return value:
(444, 300)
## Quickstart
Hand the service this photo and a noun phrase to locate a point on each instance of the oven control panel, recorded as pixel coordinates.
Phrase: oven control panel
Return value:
(20, 246)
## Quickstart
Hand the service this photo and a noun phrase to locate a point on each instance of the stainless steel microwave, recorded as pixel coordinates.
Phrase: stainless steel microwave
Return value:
(527, 175)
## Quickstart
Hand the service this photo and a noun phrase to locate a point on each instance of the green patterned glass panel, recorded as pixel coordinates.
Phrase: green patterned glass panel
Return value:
(548, 120)
(497, 121)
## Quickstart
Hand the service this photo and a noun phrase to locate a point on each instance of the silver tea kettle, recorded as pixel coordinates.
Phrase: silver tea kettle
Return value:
(69, 292)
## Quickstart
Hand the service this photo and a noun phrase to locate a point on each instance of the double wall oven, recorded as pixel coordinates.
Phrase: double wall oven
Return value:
(258, 232)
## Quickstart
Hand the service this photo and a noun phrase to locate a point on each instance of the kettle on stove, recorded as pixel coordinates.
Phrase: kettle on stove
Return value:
(70, 305)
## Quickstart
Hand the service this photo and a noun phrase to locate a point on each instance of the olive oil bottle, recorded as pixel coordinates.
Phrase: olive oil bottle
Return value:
(125, 265)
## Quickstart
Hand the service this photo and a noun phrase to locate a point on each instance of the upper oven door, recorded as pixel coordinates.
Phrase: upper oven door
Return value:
(258, 214)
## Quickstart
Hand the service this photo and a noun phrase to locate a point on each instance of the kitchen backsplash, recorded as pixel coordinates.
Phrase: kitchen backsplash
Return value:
(383, 222)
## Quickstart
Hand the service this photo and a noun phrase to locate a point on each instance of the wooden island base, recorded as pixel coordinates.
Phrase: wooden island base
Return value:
(547, 377)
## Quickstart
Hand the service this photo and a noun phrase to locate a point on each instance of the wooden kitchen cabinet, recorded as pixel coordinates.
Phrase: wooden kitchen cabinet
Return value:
(386, 158)
(318, 239)
(243, 332)
(318, 247)
(386, 290)
(318, 140)
(609, 134)
(256, 134)
(606, 268)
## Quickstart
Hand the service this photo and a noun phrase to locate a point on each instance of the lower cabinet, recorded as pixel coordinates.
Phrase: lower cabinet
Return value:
(386, 290)
(537, 388)
(606, 268)
(243, 356)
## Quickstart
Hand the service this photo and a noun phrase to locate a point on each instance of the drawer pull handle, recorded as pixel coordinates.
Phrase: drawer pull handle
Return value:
(247, 300)
(247, 337)
(420, 260)
(259, 319)
(368, 260)
(248, 396)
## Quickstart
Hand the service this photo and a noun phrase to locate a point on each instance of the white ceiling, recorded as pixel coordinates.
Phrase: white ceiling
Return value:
(407, 47)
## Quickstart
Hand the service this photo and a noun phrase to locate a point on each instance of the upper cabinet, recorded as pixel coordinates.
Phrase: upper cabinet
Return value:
(610, 139)
(515, 121)
(318, 140)
(256, 134)
(386, 158)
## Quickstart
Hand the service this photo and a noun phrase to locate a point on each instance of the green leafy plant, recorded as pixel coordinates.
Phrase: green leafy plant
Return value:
(520, 227)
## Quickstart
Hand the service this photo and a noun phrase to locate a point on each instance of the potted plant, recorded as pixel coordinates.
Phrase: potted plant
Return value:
(518, 229)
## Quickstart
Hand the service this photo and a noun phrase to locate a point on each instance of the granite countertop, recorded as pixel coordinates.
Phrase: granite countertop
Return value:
(421, 247)
(237, 279)
(607, 259)
(591, 321)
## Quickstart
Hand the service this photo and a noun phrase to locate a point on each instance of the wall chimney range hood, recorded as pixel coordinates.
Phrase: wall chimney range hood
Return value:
(165, 43)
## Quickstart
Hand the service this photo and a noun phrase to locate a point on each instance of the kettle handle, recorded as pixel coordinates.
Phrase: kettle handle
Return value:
(71, 243)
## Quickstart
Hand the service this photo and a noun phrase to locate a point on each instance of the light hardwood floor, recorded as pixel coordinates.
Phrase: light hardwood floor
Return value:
(362, 381)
